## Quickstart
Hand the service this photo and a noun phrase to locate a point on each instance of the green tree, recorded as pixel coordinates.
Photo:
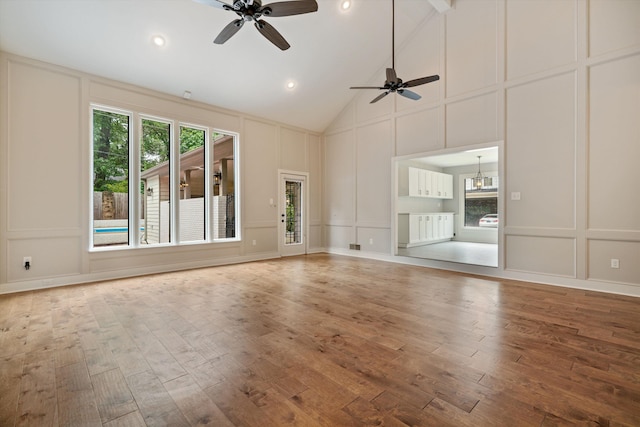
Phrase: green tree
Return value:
(111, 148)
(190, 139)
(110, 151)
(155, 143)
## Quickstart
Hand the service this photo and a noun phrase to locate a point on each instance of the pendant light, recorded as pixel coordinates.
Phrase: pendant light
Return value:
(478, 180)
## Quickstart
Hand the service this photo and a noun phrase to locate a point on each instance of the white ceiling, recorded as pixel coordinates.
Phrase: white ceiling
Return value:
(461, 158)
(330, 50)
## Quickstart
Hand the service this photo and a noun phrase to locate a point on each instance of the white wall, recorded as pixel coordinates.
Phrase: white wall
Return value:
(45, 193)
(562, 97)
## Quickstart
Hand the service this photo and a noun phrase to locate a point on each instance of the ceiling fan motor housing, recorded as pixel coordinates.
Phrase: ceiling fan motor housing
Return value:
(252, 10)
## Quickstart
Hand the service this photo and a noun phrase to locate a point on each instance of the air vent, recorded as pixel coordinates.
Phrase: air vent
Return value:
(354, 246)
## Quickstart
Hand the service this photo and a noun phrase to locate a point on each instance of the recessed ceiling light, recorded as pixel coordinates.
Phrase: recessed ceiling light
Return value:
(158, 40)
(291, 85)
(345, 4)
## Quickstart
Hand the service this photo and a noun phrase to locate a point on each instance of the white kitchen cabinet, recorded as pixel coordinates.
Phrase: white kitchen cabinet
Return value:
(426, 183)
(416, 185)
(448, 225)
(415, 229)
(447, 186)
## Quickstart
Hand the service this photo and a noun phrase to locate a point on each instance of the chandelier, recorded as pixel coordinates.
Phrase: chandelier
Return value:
(480, 181)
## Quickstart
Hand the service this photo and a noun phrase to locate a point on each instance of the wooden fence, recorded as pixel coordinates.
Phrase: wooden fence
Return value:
(108, 205)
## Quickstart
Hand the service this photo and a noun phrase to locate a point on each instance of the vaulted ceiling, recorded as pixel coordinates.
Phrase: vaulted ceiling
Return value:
(330, 50)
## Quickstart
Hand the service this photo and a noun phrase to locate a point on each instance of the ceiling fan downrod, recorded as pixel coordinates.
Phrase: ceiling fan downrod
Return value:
(393, 83)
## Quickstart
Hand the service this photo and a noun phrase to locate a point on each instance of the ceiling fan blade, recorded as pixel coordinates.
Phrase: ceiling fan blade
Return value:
(228, 31)
(391, 75)
(272, 34)
(288, 8)
(379, 97)
(215, 3)
(408, 94)
(366, 87)
(421, 81)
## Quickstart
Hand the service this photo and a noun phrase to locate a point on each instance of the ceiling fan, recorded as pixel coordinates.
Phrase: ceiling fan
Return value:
(253, 10)
(393, 83)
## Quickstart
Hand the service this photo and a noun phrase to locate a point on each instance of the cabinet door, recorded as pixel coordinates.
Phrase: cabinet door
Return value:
(415, 225)
(441, 227)
(428, 228)
(448, 226)
(415, 189)
(438, 184)
(447, 187)
(433, 227)
(426, 225)
(428, 183)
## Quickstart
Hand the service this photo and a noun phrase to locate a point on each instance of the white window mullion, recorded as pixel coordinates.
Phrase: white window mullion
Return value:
(208, 185)
(135, 136)
(174, 177)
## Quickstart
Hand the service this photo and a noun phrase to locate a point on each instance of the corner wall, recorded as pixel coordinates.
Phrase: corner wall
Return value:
(45, 178)
(564, 99)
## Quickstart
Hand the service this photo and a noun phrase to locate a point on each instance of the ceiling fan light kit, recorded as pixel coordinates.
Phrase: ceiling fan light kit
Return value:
(253, 10)
(393, 83)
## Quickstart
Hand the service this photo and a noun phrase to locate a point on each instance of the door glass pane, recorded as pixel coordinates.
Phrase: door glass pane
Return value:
(192, 189)
(480, 201)
(110, 179)
(224, 200)
(293, 211)
(155, 182)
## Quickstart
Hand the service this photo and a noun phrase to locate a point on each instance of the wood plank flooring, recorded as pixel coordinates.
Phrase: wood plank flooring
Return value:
(318, 340)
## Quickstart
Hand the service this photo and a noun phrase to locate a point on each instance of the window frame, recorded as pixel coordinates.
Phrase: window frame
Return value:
(463, 198)
(134, 165)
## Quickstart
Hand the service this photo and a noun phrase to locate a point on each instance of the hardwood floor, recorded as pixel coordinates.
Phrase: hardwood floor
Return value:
(318, 340)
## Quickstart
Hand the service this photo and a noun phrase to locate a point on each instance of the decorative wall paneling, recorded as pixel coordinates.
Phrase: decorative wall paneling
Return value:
(45, 178)
(564, 99)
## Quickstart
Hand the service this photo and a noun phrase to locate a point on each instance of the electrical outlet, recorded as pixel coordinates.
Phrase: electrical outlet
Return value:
(254, 243)
(515, 195)
(615, 263)
(371, 241)
(26, 262)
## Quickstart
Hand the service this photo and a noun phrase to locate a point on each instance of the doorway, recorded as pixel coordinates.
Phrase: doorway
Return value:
(292, 230)
(467, 196)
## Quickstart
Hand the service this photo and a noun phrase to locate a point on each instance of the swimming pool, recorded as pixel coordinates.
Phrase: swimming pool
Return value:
(113, 229)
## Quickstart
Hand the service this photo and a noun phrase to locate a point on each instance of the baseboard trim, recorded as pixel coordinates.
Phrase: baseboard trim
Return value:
(617, 288)
(567, 282)
(33, 285)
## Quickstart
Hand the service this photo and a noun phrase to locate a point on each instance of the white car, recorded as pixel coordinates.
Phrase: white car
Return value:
(489, 220)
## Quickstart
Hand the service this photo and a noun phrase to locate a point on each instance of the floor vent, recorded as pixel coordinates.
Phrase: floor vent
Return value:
(354, 246)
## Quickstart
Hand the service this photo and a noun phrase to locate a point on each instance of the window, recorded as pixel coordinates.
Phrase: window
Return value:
(224, 187)
(155, 188)
(111, 135)
(479, 202)
(192, 184)
(194, 166)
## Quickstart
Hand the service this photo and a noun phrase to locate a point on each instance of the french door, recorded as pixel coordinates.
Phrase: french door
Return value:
(293, 214)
